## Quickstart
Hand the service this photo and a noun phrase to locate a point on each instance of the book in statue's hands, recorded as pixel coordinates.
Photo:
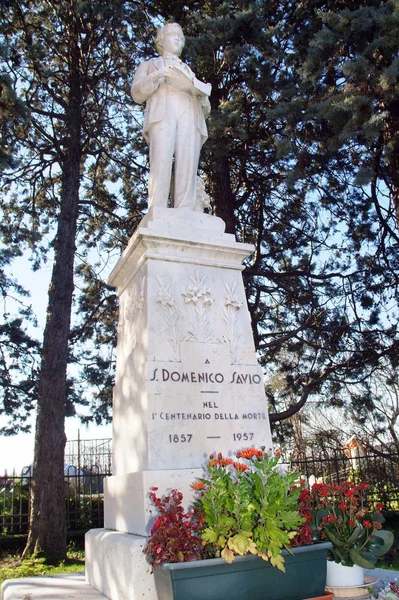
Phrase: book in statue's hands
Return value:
(180, 80)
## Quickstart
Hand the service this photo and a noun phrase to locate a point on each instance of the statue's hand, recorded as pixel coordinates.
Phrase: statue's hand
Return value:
(179, 79)
(175, 74)
(164, 73)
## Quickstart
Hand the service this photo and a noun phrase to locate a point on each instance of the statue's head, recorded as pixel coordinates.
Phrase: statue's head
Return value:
(163, 31)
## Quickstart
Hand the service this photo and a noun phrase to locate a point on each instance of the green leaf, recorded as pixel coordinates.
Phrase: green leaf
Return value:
(356, 533)
(377, 517)
(369, 556)
(334, 539)
(342, 555)
(317, 517)
(209, 536)
(359, 560)
(387, 538)
(291, 519)
(278, 561)
(239, 543)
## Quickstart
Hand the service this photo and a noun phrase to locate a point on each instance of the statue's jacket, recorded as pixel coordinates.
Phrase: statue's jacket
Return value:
(146, 88)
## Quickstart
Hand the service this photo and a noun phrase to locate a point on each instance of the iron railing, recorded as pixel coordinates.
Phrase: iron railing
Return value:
(379, 469)
(88, 462)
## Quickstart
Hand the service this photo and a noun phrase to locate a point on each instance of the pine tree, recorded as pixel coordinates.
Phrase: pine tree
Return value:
(322, 284)
(70, 63)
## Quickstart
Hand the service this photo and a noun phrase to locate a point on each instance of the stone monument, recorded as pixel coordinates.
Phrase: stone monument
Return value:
(187, 378)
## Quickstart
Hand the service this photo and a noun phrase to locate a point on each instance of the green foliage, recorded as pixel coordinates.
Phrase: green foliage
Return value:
(84, 512)
(248, 507)
(14, 507)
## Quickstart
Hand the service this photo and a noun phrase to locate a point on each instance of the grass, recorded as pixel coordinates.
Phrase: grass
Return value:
(13, 567)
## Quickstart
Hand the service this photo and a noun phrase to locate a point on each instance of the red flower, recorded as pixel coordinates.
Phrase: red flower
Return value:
(331, 519)
(377, 525)
(367, 524)
(351, 522)
(277, 453)
(349, 493)
(363, 486)
(304, 495)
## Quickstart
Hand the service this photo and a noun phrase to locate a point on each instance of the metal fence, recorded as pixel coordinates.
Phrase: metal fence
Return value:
(87, 463)
(379, 469)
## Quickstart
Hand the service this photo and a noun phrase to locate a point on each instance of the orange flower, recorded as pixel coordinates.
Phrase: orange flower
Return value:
(240, 466)
(249, 453)
(220, 462)
(198, 485)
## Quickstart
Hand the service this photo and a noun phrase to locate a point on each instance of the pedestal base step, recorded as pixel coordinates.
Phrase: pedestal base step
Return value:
(117, 567)
(71, 585)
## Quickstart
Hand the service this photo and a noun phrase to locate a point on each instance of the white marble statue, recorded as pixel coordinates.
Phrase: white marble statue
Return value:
(177, 104)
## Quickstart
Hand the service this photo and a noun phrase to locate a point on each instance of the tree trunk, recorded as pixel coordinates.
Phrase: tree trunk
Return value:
(392, 136)
(223, 194)
(47, 516)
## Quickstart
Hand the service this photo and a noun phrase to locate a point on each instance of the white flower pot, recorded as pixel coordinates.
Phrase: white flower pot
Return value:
(340, 576)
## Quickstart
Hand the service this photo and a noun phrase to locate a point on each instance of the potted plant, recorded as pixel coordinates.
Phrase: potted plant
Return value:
(242, 539)
(342, 514)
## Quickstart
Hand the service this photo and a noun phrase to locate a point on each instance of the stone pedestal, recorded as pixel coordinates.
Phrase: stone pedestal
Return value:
(187, 378)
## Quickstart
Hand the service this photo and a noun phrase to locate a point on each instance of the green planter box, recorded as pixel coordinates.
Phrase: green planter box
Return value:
(247, 578)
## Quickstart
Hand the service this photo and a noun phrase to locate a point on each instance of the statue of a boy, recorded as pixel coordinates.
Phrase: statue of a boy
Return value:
(177, 104)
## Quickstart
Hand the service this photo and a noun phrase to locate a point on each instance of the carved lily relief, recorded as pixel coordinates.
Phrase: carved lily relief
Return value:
(201, 298)
(173, 318)
(232, 305)
(133, 315)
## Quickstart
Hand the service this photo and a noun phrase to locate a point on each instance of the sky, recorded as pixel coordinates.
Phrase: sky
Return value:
(17, 451)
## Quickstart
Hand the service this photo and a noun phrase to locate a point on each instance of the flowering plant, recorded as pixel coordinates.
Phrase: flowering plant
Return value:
(342, 514)
(174, 536)
(389, 592)
(244, 506)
